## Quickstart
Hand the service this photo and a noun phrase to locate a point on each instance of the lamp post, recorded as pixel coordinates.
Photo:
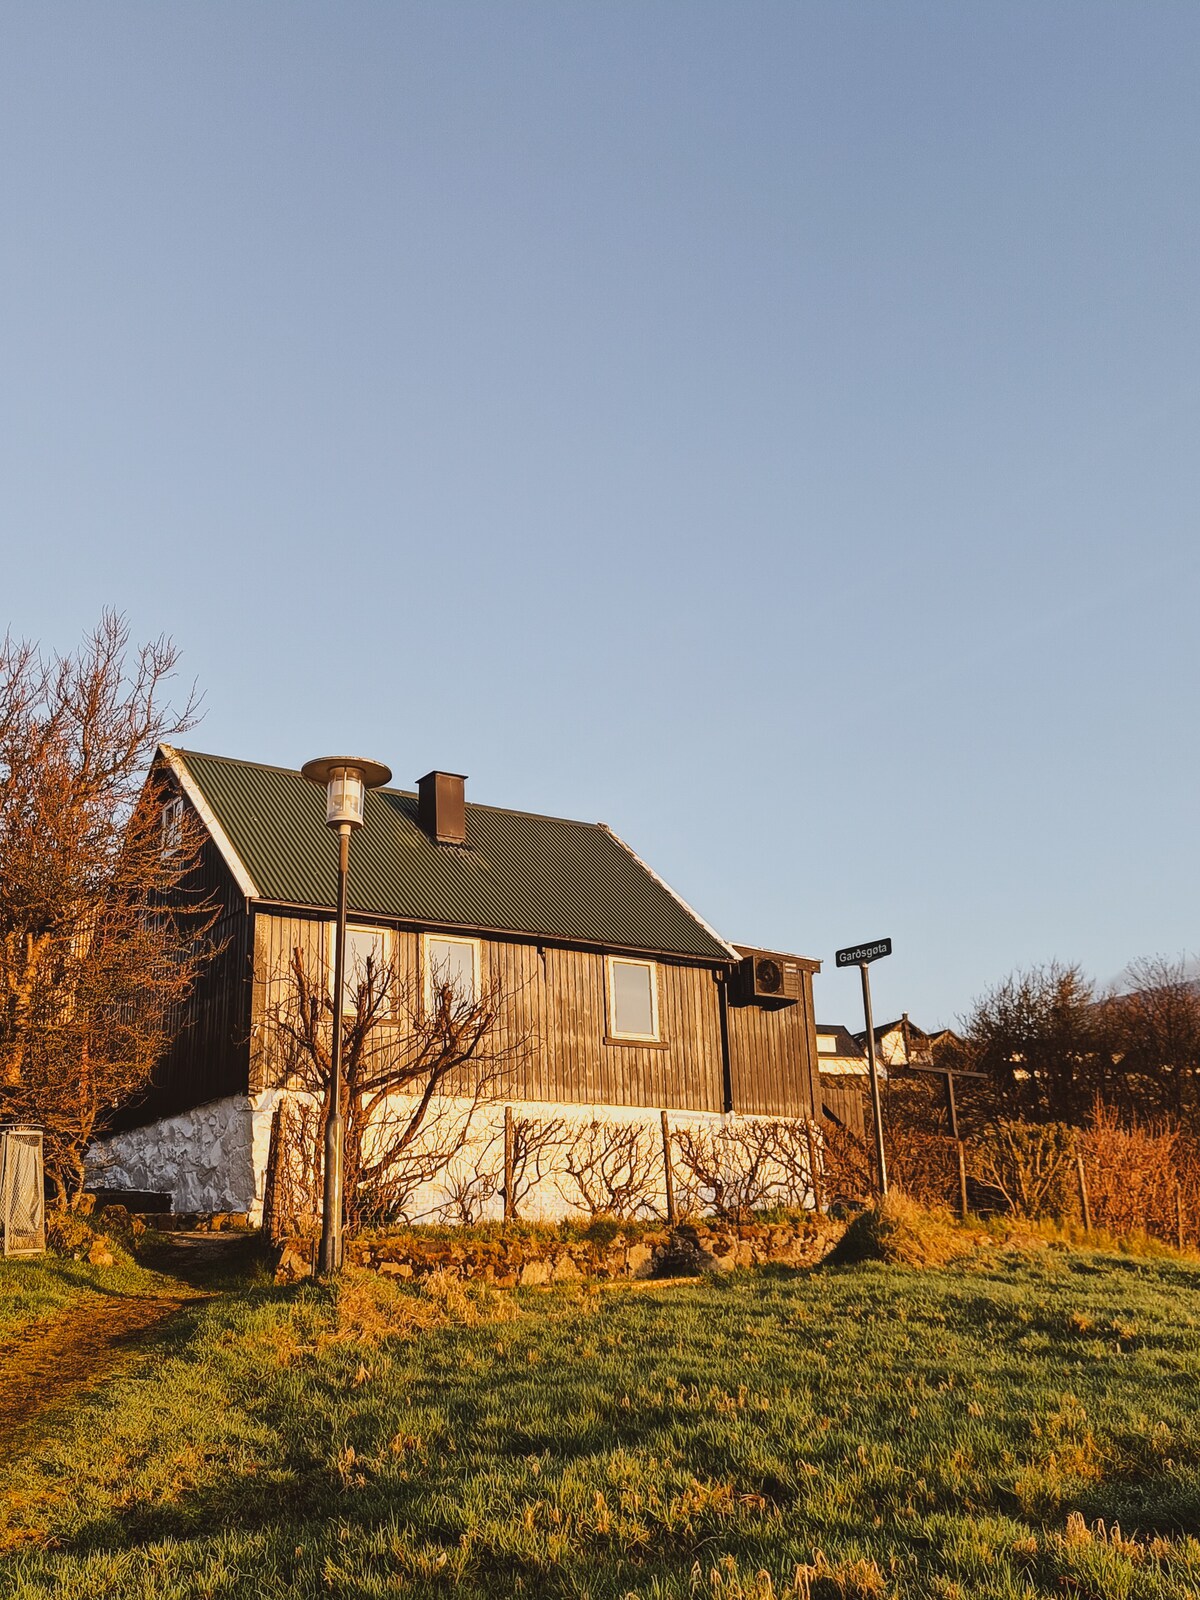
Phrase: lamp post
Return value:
(345, 780)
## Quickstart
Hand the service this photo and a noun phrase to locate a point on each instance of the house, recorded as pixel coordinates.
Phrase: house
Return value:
(637, 1005)
(842, 1077)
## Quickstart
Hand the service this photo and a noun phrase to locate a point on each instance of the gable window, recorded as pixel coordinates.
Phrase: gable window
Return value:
(453, 962)
(172, 826)
(364, 947)
(632, 999)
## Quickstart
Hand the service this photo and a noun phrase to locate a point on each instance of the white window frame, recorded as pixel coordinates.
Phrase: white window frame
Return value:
(172, 827)
(476, 947)
(610, 962)
(388, 939)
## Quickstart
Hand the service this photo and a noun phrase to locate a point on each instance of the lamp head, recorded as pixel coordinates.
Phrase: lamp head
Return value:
(346, 780)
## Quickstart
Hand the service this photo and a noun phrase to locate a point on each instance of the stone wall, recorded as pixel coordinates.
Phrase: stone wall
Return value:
(521, 1257)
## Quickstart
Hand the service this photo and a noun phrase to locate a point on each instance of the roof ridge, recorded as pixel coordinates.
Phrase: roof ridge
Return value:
(407, 794)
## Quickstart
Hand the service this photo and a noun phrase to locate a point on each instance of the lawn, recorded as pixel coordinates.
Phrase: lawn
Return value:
(1022, 1425)
(33, 1290)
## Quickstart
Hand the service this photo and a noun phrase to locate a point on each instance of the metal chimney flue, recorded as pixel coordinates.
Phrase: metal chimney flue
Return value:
(442, 806)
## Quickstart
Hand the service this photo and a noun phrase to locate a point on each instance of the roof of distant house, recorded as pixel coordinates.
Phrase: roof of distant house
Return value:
(535, 876)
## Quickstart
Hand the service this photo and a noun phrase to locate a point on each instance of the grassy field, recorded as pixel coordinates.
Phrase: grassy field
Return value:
(1025, 1424)
(33, 1291)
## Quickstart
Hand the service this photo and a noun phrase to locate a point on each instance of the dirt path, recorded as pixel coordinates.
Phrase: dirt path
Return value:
(51, 1360)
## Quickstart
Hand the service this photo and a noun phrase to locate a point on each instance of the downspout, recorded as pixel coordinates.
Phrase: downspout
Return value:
(726, 1058)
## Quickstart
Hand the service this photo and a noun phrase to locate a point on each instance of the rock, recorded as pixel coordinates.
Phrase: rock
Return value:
(535, 1274)
(639, 1259)
(293, 1265)
(100, 1255)
(395, 1269)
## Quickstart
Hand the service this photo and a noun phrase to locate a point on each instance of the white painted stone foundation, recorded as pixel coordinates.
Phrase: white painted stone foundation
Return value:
(214, 1158)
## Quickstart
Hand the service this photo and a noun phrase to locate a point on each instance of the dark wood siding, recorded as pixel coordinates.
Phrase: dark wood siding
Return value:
(772, 1056)
(208, 1055)
(556, 1001)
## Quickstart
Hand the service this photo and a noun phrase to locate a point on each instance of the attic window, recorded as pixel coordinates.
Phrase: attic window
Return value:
(632, 999)
(172, 826)
(827, 1044)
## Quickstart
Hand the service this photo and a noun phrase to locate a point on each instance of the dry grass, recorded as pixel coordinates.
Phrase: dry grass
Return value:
(901, 1232)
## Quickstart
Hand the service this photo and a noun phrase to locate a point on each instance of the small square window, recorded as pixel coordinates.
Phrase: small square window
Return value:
(632, 999)
(454, 962)
(172, 826)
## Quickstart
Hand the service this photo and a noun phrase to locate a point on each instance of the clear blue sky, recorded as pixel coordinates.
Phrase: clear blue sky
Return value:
(768, 428)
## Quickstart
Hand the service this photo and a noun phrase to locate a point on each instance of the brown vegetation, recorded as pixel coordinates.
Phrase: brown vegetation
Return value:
(101, 931)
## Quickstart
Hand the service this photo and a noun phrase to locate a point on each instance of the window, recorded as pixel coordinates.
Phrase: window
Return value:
(632, 999)
(454, 962)
(172, 826)
(363, 945)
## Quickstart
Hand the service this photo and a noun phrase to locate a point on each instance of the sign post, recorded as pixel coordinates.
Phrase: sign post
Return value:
(861, 956)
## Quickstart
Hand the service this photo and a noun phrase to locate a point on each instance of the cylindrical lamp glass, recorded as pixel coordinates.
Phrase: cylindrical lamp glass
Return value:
(344, 797)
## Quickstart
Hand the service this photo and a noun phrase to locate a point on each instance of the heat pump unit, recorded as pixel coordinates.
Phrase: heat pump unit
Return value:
(767, 977)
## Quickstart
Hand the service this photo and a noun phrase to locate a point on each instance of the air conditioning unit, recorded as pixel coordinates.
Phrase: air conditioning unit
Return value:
(768, 977)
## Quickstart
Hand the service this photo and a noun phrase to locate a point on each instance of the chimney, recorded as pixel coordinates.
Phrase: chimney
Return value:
(441, 806)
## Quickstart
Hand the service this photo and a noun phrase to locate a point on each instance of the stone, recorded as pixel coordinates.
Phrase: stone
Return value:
(639, 1260)
(535, 1274)
(100, 1255)
(292, 1266)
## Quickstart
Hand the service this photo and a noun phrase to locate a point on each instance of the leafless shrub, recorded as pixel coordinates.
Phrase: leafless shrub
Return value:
(467, 1196)
(742, 1167)
(614, 1169)
(536, 1141)
(849, 1166)
(292, 1192)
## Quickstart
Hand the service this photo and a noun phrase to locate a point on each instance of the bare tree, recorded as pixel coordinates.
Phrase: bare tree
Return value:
(102, 930)
(1155, 1031)
(415, 1069)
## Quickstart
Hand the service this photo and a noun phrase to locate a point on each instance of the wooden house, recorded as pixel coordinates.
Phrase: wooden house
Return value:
(636, 1003)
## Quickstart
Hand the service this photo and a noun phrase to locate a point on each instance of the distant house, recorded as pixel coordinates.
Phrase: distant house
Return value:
(636, 1003)
(903, 1044)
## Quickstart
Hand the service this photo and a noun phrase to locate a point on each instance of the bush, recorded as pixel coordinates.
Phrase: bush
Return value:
(1029, 1167)
(900, 1231)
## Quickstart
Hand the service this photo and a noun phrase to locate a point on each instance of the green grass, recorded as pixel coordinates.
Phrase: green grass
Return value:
(34, 1289)
(956, 1434)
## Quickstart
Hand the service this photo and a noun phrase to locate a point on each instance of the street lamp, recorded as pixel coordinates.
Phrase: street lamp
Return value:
(345, 780)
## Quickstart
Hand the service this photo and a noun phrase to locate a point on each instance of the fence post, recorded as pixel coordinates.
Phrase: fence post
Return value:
(961, 1151)
(670, 1176)
(1084, 1204)
(1179, 1216)
(509, 1209)
(814, 1171)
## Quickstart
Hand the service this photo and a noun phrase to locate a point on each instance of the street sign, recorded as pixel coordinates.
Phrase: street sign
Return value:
(857, 955)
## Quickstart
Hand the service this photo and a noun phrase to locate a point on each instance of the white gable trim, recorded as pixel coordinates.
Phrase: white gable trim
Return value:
(204, 811)
(663, 884)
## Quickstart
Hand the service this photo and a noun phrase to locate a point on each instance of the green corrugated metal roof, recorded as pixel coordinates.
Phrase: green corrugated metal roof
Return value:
(518, 873)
